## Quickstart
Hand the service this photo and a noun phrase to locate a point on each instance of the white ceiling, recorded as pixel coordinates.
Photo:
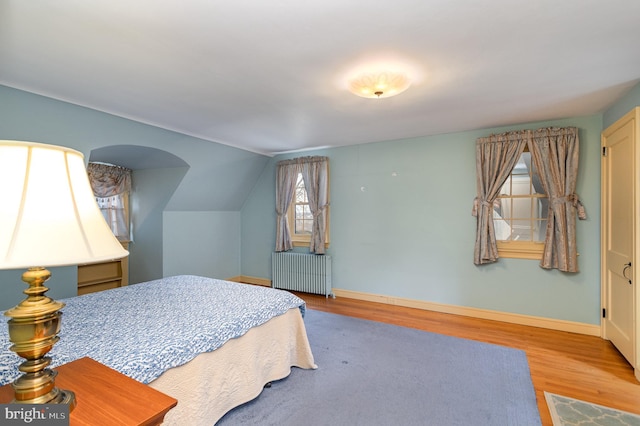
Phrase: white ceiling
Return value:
(269, 76)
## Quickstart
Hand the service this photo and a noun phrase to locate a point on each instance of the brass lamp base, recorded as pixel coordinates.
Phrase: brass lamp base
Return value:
(33, 329)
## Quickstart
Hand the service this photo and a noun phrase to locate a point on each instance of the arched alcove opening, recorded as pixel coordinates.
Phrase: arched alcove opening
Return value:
(156, 175)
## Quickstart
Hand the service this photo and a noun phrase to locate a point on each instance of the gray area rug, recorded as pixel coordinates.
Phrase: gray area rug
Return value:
(567, 411)
(371, 373)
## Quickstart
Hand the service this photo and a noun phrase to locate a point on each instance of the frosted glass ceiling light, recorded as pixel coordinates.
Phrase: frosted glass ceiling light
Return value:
(379, 84)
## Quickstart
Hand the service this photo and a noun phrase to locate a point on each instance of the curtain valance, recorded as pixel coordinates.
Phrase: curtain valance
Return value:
(108, 180)
(303, 160)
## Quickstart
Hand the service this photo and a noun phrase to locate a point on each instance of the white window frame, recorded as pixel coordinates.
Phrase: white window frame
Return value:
(530, 249)
(304, 239)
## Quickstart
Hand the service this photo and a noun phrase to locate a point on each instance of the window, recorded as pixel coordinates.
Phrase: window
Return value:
(115, 210)
(300, 217)
(521, 201)
(302, 204)
(111, 186)
(520, 212)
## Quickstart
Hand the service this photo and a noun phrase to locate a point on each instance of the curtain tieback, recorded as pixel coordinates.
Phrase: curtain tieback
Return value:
(575, 202)
(320, 210)
(477, 202)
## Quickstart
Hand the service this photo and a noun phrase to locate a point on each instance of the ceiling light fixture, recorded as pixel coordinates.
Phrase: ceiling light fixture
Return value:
(379, 84)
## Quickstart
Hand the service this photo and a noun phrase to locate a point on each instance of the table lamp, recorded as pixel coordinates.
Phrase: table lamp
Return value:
(48, 217)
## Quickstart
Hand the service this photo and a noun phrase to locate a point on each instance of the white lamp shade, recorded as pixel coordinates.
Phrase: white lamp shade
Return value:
(48, 213)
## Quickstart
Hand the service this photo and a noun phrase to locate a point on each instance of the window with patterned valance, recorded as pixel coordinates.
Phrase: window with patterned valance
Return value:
(111, 186)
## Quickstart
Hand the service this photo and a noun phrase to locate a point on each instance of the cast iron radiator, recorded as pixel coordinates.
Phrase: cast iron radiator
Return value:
(308, 273)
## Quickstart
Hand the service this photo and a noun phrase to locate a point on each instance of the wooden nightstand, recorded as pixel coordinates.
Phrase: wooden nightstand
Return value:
(106, 397)
(94, 277)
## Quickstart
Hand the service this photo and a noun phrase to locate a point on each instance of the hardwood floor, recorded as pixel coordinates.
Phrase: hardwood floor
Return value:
(569, 364)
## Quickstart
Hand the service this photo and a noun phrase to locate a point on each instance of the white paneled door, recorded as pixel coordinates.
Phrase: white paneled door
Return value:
(620, 236)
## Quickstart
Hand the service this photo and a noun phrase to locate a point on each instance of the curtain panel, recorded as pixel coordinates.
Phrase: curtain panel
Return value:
(555, 152)
(496, 156)
(315, 173)
(286, 175)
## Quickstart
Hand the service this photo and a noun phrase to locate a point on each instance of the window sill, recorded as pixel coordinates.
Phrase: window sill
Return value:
(520, 250)
(303, 243)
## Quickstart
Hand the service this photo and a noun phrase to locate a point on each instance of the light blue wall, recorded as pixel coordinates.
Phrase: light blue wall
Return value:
(218, 179)
(214, 239)
(412, 235)
(152, 190)
(62, 284)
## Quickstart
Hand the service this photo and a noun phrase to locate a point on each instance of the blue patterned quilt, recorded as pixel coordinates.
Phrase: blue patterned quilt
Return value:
(144, 329)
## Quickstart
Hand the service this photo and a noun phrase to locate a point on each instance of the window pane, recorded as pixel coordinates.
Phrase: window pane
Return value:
(536, 187)
(540, 230)
(521, 185)
(497, 207)
(540, 208)
(535, 180)
(301, 192)
(502, 229)
(522, 166)
(306, 212)
(506, 207)
(303, 219)
(114, 212)
(303, 226)
(521, 208)
(301, 195)
(506, 188)
(521, 230)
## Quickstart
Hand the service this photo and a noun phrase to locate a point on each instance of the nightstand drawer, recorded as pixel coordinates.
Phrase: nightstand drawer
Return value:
(99, 272)
(93, 287)
(94, 277)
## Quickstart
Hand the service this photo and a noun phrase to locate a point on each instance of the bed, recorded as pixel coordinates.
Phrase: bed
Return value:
(211, 344)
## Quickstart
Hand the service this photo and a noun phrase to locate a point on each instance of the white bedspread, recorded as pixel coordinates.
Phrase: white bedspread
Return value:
(215, 382)
(145, 329)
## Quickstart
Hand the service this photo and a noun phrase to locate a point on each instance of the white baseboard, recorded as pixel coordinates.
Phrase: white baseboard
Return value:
(553, 324)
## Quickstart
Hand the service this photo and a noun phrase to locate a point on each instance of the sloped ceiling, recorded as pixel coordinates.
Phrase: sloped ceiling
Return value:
(270, 76)
(136, 157)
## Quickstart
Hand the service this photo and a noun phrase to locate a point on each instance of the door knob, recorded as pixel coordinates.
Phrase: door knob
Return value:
(624, 271)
